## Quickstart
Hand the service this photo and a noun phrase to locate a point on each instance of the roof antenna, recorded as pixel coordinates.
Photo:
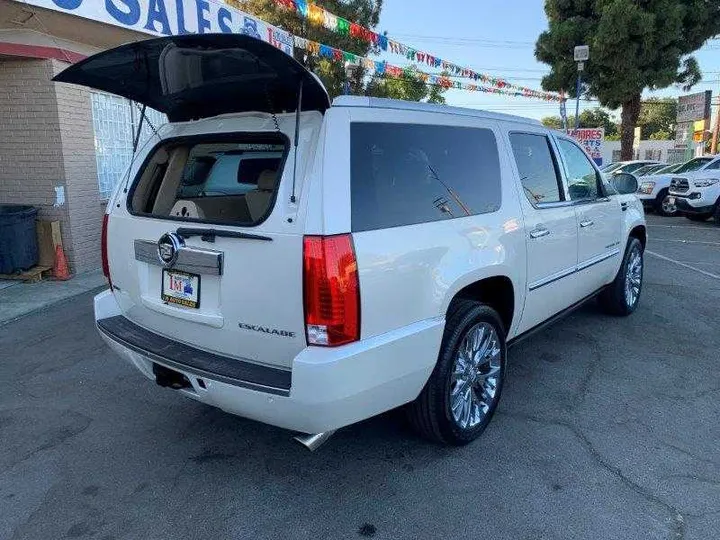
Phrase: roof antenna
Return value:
(297, 136)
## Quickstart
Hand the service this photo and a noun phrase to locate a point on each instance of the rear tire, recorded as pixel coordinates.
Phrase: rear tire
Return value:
(621, 297)
(698, 217)
(662, 205)
(464, 389)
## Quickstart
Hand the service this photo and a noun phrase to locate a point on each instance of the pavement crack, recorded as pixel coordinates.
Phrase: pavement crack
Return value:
(677, 526)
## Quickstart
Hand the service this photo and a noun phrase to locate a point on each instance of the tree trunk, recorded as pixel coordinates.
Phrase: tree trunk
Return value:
(629, 118)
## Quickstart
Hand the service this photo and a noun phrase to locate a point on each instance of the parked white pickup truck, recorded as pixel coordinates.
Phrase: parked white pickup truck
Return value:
(654, 191)
(697, 193)
(386, 256)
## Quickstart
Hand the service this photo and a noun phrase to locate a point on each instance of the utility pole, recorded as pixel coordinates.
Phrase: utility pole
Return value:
(716, 131)
(563, 110)
(581, 55)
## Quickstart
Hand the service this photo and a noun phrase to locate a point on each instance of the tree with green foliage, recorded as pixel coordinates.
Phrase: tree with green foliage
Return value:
(332, 73)
(552, 122)
(660, 135)
(634, 45)
(657, 118)
(407, 88)
(589, 118)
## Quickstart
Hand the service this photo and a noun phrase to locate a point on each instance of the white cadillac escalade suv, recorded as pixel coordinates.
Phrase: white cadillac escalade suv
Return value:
(358, 257)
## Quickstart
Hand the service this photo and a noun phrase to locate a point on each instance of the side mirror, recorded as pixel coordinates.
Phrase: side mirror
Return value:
(624, 183)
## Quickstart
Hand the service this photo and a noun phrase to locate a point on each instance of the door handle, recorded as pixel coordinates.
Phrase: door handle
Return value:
(587, 223)
(539, 232)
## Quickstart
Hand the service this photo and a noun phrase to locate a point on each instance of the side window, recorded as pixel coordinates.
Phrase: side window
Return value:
(536, 166)
(713, 166)
(582, 178)
(403, 174)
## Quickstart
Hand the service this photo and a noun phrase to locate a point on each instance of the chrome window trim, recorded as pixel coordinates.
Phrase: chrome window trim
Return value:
(191, 260)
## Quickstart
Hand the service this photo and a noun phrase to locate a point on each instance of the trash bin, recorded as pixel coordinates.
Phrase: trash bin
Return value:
(18, 240)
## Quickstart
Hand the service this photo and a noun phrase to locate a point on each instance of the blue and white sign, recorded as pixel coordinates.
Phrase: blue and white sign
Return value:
(171, 17)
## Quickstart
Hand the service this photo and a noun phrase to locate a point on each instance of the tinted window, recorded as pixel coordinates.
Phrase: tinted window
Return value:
(632, 167)
(226, 174)
(536, 167)
(225, 179)
(405, 173)
(713, 166)
(581, 175)
(692, 165)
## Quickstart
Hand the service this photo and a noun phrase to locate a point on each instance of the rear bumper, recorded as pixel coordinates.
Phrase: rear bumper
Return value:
(328, 388)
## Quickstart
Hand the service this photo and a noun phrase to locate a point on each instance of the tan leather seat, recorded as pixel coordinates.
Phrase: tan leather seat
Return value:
(259, 199)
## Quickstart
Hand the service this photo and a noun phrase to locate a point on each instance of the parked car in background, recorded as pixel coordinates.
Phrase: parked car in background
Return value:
(670, 168)
(654, 190)
(627, 166)
(385, 259)
(696, 193)
(649, 169)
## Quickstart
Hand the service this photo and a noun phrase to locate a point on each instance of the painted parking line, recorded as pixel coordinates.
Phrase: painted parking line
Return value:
(698, 270)
(685, 241)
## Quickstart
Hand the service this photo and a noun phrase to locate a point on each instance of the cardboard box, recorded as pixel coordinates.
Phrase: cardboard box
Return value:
(48, 237)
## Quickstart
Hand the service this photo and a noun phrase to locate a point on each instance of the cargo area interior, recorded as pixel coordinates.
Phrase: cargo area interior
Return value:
(212, 180)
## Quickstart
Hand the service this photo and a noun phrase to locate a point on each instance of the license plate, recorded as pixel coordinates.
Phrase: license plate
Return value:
(671, 200)
(181, 288)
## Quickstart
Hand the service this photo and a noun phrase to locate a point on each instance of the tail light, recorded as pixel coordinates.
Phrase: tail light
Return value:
(104, 250)
(331, 290)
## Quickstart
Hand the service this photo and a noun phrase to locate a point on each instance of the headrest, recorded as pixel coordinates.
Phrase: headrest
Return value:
(266, 180)
(197, 171)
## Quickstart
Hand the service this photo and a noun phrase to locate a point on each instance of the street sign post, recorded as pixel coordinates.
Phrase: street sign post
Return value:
(581, 54)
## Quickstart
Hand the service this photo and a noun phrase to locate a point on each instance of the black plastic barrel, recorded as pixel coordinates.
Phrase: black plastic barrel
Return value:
(18, 241)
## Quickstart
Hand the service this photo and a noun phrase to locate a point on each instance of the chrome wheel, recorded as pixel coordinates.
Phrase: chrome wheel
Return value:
(475, 376)
(668, 207)
(633, 277)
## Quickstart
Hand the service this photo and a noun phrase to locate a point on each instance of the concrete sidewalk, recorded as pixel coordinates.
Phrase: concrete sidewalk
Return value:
(18, 299)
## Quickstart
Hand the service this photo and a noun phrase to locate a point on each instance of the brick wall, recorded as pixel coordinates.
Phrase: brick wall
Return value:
(31, 158)
(47, 141)
(78, 151)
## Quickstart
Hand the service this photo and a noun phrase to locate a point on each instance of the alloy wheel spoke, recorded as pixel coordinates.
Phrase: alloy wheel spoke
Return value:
(475, 375)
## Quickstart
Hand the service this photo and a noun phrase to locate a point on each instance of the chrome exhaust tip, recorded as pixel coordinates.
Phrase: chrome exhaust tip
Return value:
(315, 441)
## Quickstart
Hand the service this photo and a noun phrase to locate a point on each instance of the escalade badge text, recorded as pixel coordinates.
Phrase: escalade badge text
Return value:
(168, 249)
(266, 330)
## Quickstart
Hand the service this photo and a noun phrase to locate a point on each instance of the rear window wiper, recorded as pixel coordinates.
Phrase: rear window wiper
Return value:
(209, 235)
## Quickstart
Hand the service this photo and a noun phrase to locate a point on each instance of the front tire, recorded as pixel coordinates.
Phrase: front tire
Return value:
(464, 389)
(663, 205)
(621, 297)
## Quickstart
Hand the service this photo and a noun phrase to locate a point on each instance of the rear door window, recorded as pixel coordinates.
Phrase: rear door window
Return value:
(403, 174)
(537, 168)
(221, 181)
(582, 178)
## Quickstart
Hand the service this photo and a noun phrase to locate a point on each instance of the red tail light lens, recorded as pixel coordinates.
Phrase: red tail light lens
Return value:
(331, 290)
(103, 249)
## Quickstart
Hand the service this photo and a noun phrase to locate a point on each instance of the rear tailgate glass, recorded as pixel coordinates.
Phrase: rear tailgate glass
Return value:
(219, 179)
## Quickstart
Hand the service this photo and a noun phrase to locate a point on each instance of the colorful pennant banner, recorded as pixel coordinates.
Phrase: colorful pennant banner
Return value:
(385, 69)
(320, 17)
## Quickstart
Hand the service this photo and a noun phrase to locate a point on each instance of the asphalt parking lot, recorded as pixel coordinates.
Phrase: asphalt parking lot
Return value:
(608, 429)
